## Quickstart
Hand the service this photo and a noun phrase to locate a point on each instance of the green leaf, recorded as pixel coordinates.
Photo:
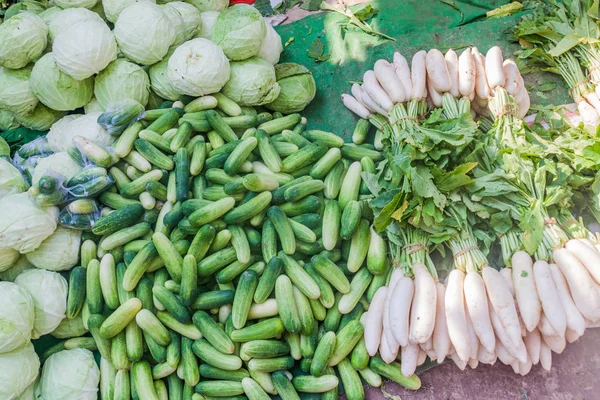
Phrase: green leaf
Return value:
(317, 51)
(505, 10)
(447, 182)
(566, 44)
(501, 222)
(364, 12)
(385, 215)
(372, 183)
(532, 225)
(422, 185)
(453, 4)
(311, 5)
(264, 6)
(546, 87)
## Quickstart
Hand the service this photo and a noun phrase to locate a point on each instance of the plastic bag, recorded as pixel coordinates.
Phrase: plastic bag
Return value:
(119, 115)
(80, 214)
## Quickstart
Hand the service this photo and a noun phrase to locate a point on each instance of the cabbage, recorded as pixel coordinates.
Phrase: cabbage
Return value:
(198, 67)
(13, 272)
(93, 106)
(160, 82)
(252, 82)
(208, 24)
(7, 121)
(240, 31)
(16, 95)
(209, 5)
(85, 49)
(144, 33)
(122, 80)
(29, 393)
(70, 375)
(11, 180)
(60, 252)
(23, 224)
(41, 119)
(34, 6)
(62, 133)
(56, 89)
(298, 88)
(70, 328)
(271, 47)
(68, 18)
(58, 163)
(75, 3)
(49, 292)
(8, 258)
(113, 8)
(49, 14)
(16, 317)
(185, 19)
(19, 369)
(23, 39)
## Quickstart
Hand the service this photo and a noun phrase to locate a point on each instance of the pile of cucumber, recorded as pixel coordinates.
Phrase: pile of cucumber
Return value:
(234, 257)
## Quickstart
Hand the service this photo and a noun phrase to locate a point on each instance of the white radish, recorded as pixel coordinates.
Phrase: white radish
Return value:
(372, 105)
(503, 355)
(473, 363)
(548, 294)
(418, 73)
(422, 313)
(515, 366)
(511, 72)
(503, 303)
(494, 70)
(434, 95)
(422, 357)
(556, 343)
(571, 336)
(589, 257)
(456, 315)
(588, 243)
(545, 357)
(588, 114)
(533, 342)
(466, 73)
(357, 92)
(507, 275)
(545, 327)
(477, 306)
(461, 364)
(389, 81)
(403, 72)
(482, 90)
(597, 246)
(524, 104)
(437, 71)
(400, 305)
(583, 288)
(397, 274)
(374, 321)
(592, 98)
(375, 91)
(353, 105)
(525, 367)
(473, 339)
(387, 354)
(441, 338)
(486, 357)
(525, 290)
(452, 65)
(409, 355)
(575, 320)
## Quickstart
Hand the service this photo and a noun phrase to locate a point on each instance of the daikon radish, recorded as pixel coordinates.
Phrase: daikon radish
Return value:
(422, 357)
(456, 315)
(461, 364)
(525, 290)
(422, 313)
(511, 73)
(503, 303)
(437, 71)
(482, 90)
(503, 355)
(589, 257)
(548, 294)
(374, 321)
(477, 307)
(473, 339)
(387, 354)
(418, 73)
(524, 104)
(515, 366)
(372, 105)
(400, 305)
(375, 91)
(545, 357)
(353, 105)
(588, 114)
(452, 65)
(592, 98)
(486, 357)
(545, 327)
(507, 275)
(397, 274)
(441, 339)
(357, 92)
(575, 320)
(571, 336)
(466, 73)
(389, 81)
(473, 363)
(533, 341)
(583, 288)
(525, 367)
(556, 343)
(434, 96)
(410, 355)
(588, 243)
(403, 72)
(494, 67)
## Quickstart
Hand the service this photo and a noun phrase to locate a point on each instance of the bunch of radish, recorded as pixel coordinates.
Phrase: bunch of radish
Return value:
(433, 75)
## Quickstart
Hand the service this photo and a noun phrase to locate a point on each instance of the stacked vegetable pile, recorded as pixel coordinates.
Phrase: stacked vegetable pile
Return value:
(449, 184)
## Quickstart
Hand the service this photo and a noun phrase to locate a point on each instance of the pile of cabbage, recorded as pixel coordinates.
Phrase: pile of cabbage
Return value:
(88, 53)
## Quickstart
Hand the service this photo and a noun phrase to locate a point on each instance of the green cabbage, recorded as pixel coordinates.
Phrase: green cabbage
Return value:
(240, 31)
(70, 328)
(70, 375)
(56, 89)
(8, 258)
(198, 67)
(252, 82)
(59, 252)
(7, 121)
(271, 47)
(41, 119)
(122, 80)
(144, 33)
(49, 14)
(75, 3)
(209, 5)
(19, 369)
(160, 82)
(58, 163)
(23, 39)
(27, 225)
(62, 133)
(113, 8)
(209, 18)
(65, 19)
(49, 292)
(185, 19)
(16, 95)
(13, 272)
(16, 317)
(29, 393)
(11, 179)
(298, 88)
(93, 106)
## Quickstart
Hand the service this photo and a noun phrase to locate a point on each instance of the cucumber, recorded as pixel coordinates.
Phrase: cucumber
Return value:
(191, 373)
(174, 216)
(220, 126)
(124, 143)
(152, 327)
(331, 139)
(240, 243)
(351, 381)
(120, 318)
(358, 286)
(207, 353)
(307, 320)
(216, 261)
(249, 209)
(220, 241)
(239, 155)
(334, 316)
(253, 390)
(393, 372)
(359, 246)
(284, 149)
(346, 340)
(271, 364)
(76, 294)
(198, 158)
(268, 152)
(227, 105)
(208, 371)
(322, 354)
(201, 103)
(218, 176)
(191, 205)
(331, 224)
(327, 297)
(264, 349)
(361, 130)
(182, 136)
(172, 304)
(243, 298)
(284, 387)
(314, 384)
(306, 156)
(377, 282)
(108, 281)
(293, 340)
(360, 355)
(241, 121)
(265, 329)
(260, 183)
(169, 254)
(122, 389)
(325, 164)
(286, 302)
(134, 341)
(333, 181)
(189, 280)
(351, 185)
(166, 121)
(302, 232)
(154, 155)
(233, 270)
(295, 138)
(94, 297)
(213, 333)
(351, 217)
(279, 193)
(266, 283)
(377, 254)
(368, 167)
(310, 204)
(283, 228)
(279, 124)
(302, 190)
(141, 375)
(371, 378)
(95, 321)
(138, 266)
(139, 185)
(356, 152)
(220, 388)
(211, 212)
(308, 345)
(318, 309)
(158, 140)
(182, 174)
(332, 273)
(254, 237)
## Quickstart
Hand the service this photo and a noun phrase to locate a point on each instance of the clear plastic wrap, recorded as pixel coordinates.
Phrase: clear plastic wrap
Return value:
(119, 115)
(80, 214)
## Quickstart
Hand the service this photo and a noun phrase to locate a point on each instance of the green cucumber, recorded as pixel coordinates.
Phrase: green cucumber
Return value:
(213, 333)
(239, 241)
(265, 329)
(211, 212)
(322, 167)
(308, 345)
(220, 388)
(356, 152)
(200, 104)
(207, 353)
(358, 286)
(302, 232)
(351, 217)
(227, 105)
(331, 224)
(124, 144)
(198, 158)
(214, 299)
(239, 155)
(216, 261)
(288, 311)
(95, 321)
(306, 156)
(141, 376)
(314, 384)
(233, 270)
(327, 297)
(310, 204)
(331, 139)
(347, 338)
(284, 387)
(182, 174)
(361, 130)
(134, 340)
(279, 193)
(154, 155)
(359, 246)
(94, 297)
(351, 185)
(279, 124)
(220, 126)
(249, 209)
(318, 309)
(172, 304)
(152, 327)
(253, 390)
(377, 254)
(243, 298)
(299, 277)
(271, 364)
(260, 183)
(208, 371)
(351, 380)
(302, 190)
(295, 138)
(333, 181)
(191, 374)
(266, 283)
(76, 294)
(308, 323)
(268, 152)
(120, 318)
(283, 228)
(332, 273)
(284, 149)
(169, 254)
(393, 372)
(360, 355)
(108, 281)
